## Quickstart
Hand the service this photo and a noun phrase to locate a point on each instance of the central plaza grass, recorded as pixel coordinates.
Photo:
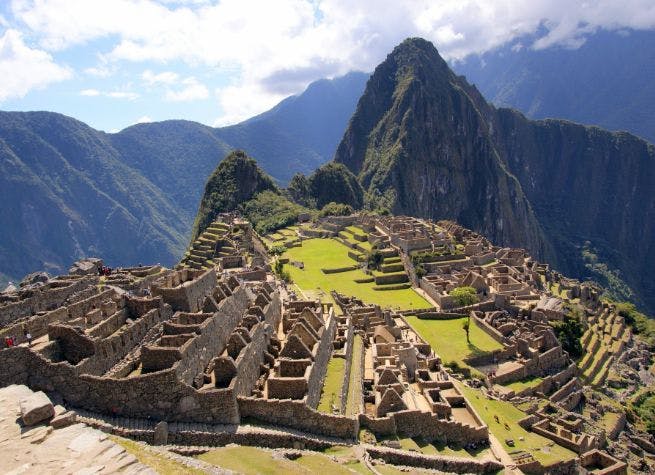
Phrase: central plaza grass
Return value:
(448, 339)
(543, 450)
(317, 254)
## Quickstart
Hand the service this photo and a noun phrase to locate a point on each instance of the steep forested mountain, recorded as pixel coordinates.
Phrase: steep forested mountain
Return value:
(70, 191)
(606, 82)
(424, 142)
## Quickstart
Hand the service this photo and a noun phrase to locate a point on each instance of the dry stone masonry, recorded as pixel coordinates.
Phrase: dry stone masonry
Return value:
(193, 355)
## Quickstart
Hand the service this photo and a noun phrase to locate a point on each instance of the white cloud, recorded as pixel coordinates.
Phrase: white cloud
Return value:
(130, 96)
(191, 90)
(143, 120)
(166, 77)
(89, 92)
(276, 48)
(23, 69)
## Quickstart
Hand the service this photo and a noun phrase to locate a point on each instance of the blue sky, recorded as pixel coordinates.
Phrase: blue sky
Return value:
(113, 63)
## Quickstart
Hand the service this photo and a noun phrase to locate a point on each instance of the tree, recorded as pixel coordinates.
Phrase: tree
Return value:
(277, 250)
(464, 296)
(569, 331)
(466, 326)
(374, 259)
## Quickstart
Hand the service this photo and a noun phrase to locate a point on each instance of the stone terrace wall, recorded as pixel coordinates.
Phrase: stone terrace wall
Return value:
(413, 423)
(159, 396)
(189, 296)
(297, 415)
(318, 369)
(213, 339)
(443, 464)
(43, 299)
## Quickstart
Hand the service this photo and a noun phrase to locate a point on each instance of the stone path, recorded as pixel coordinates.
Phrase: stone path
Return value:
(76, 449)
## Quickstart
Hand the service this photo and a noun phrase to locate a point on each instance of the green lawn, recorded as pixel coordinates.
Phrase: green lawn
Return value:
(332, 385)
(524, 383)
(448, 339)
(317, 254)
(542, 449)
(255, 461)
(355, 383)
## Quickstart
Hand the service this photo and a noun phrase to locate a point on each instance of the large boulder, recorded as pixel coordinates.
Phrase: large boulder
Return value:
(36, 408)
(35, 278)
(87, 266)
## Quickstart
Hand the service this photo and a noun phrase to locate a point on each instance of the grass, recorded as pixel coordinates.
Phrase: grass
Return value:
(427, 448)
(355, 383)
(543, 450)
(317, 254)
(255, 461)
(448, 339)
(157, 462)
(331, 394)
(524, 383)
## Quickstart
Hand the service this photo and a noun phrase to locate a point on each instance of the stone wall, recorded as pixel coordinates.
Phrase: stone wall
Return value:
(48, 297)
(213, 339)
(413, 423)
(318, 369)
(159, 396)
(189, 295)
(434, 462)
(297, 415)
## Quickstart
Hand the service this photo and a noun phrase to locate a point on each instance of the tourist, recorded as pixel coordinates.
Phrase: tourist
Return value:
(28, 337)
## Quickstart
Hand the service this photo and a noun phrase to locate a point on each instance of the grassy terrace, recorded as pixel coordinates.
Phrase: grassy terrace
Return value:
(253, 461)
(542, 449)
(317, 254)
(448, 339)
(355, 382)
(524, 384)
(332, 385)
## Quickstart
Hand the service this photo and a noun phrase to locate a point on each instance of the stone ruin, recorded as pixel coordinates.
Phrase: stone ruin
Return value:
(153, 352)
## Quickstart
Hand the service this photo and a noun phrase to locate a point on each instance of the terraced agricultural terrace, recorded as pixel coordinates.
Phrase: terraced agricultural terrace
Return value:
(345, 344)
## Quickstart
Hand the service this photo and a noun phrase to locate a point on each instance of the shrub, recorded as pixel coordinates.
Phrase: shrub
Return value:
(464, 296)
(336, 209)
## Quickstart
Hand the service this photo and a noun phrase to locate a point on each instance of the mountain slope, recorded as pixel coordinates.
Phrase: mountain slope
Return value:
(427, 142)
(301, 132)
(69, 190)
(66, 194)
(418, 135)
(605, 82)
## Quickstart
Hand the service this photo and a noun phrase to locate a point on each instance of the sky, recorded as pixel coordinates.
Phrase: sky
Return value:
(114, 63)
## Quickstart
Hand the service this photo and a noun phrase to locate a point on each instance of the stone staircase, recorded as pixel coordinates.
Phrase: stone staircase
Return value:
(202, 253)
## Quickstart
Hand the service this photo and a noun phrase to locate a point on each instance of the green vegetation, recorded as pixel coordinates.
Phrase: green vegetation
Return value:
(643, 405)
(542, 449)
(331, 394)
(449, 341)
(569, 331)
(640, 323)
(256, 461)
(336, 209)
(269, 211)
(614, 286)
(156, 461)
(464, 296)
(524, 383)
(299, 191)
(333, 182)
(355, 382)
(374, 260)
(317, 254)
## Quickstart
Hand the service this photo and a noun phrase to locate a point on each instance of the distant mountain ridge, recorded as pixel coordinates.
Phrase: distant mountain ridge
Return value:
(424, 142)
(605, 82)
(70, 191)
